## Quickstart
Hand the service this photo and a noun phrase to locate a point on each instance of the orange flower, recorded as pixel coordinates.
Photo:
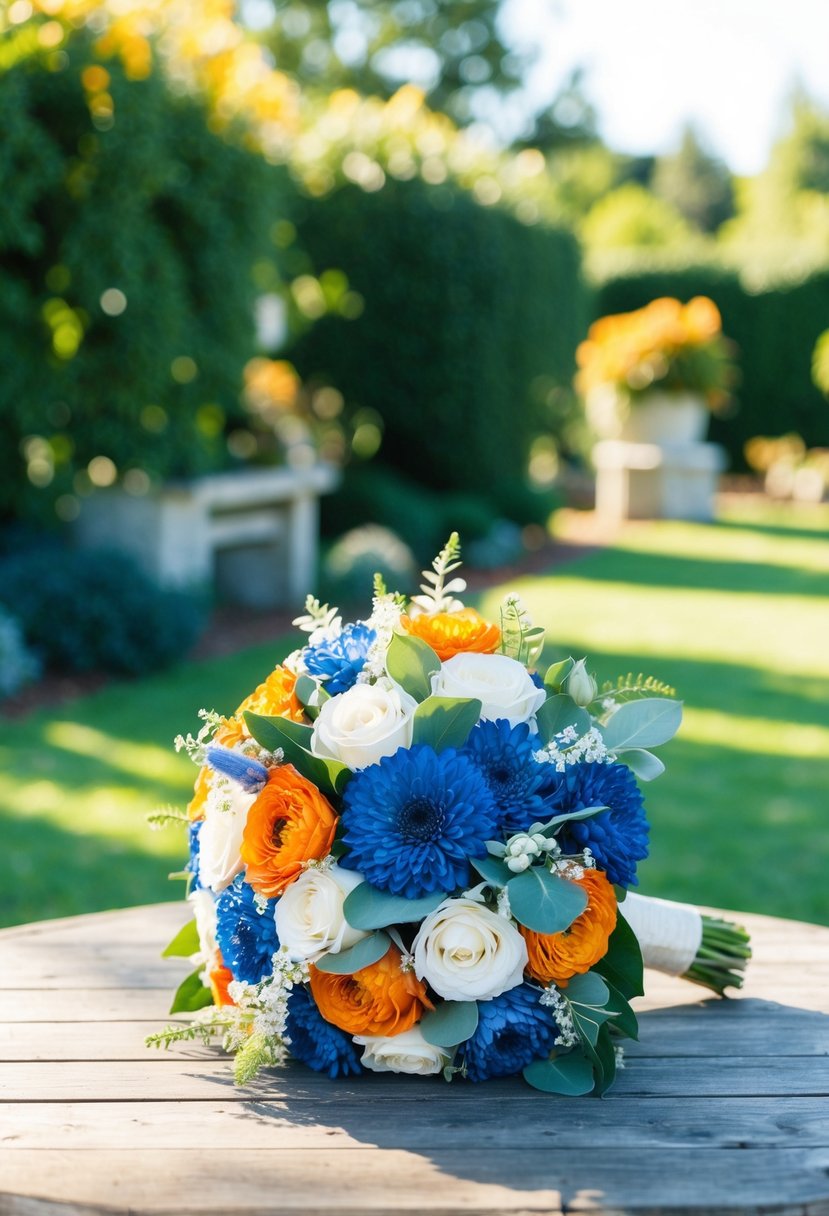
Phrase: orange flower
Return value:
(381, 999)
(220, 977)
(556, 957)
(451, 633)
(289, 823)
(275, 698)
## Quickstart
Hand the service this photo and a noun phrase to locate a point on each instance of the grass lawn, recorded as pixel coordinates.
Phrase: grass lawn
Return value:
(736, 616)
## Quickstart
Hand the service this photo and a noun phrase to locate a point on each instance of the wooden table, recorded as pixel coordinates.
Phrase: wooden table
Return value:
(722, 1108)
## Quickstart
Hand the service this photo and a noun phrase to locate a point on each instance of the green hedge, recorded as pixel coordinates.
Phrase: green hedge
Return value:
(775, 331)
(470, 318)
(150, 203)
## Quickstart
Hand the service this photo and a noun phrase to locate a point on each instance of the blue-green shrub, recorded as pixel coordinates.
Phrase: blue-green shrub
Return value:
(18, 664)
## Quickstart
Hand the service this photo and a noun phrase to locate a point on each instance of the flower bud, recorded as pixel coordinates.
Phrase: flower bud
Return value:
(580, 684)
(518, 864)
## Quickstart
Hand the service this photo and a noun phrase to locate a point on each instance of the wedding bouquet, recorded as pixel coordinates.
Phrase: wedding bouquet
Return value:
(409, 852)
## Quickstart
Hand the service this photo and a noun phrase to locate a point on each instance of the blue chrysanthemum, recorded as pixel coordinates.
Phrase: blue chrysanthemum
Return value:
(516, 780)
(412, 821)
(513, 1030)
(317, 1043)
(618, 838)
(192, 867)
(246, 937)
(340, 660)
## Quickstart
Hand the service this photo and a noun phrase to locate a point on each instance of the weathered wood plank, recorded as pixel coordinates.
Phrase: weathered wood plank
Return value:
(523, 1120)
(785, 1180)
(81, 1005)
(165, 1078)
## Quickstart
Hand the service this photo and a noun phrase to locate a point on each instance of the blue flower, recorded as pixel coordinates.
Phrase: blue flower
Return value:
(412, 821)
(338, 661)
(192, 867)
(244, 770)
(317, 1043)
(513, 1030)
(246, 937)
(504, 755)
(617, 837)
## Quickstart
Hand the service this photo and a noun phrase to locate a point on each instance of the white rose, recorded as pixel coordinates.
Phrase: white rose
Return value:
(363, 724)
(204, 909)
(468, 953)
(502, 685)
(406, 1052)
(220, 839)
(309, 916)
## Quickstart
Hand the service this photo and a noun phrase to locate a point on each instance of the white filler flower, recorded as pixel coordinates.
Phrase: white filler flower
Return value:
(468, 953)
(502, 685)
(309, 915)
(406, 1052)
(362, 725)
(220, 839)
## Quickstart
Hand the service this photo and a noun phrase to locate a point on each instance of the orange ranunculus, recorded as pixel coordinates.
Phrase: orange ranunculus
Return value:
(451, 633)
(556, 957)
(288, 824)
(381, 999)
(220, 977)
(275, 698)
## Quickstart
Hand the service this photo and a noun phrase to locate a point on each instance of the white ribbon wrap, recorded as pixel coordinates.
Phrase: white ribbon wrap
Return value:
(669, 934)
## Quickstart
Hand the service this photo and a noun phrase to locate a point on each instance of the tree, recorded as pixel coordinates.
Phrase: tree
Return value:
(698, 184)
(451, 47)
(632, 217)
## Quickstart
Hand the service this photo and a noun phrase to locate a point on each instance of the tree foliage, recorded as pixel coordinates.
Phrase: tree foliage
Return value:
(696, 183)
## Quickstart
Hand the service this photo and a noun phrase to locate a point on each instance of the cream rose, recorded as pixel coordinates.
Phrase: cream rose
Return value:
(203, 904)
(309, 915)
(220, 839)
(468, 953)
(360, 726)
(406, 1052)
(502, 685)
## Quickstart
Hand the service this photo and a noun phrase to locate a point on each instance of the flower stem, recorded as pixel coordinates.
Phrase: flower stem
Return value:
(722, 956)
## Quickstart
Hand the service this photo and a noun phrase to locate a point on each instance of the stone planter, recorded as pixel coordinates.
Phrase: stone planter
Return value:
(656, 417)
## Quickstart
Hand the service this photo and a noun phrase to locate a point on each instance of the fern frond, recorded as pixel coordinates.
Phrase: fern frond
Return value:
(256, 1053)
(164, 816)
(182, 1034)
(520, 639)
(437, 593)
(630, 687)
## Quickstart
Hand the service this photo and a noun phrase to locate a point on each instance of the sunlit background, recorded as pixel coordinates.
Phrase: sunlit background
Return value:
(350, 249)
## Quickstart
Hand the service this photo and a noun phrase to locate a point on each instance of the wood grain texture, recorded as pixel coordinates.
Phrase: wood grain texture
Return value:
(723, 1107)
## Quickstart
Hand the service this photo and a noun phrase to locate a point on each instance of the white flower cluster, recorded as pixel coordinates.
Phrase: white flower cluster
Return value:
(196, 745)
(264, 1006)
(384, 619)
(555, 999)
(570, 748)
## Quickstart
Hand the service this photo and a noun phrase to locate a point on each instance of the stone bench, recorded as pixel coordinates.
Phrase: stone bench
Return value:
(251, 534)
(656, 481)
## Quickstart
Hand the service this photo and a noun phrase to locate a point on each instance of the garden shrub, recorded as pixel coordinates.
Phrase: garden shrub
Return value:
(18, 664)
(376, 494)
(126, 298)
(775, 330)
(465, 310)
(89, 610)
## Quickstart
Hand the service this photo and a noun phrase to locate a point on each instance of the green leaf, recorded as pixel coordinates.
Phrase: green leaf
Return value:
(622, 965)
(185, 942)
(556, 675)
(586, 812)
(330, 776)
(311, 694)
(570, 1074)
(645, 765)
(588, 989)
(625, 1021)
(450, 1023)
(191, 994)
(559, 712)
(641, 724)
(442, 722)
(604, 1061)
(493, 870)
(544, 902)
(366, 952)
(366, 907)
(411, 663)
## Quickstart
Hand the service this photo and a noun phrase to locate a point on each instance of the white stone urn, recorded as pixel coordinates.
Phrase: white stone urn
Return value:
(657, 416)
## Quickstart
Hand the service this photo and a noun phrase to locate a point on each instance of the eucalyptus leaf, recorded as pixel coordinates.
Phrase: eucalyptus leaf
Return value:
(185, 942)
(557, 713)
(586, 812)
(645, 765)
(191, 994)
(642, 724)
(369, 950)
(411, 663)
(588, 989)
(442, 722)
(570, 1075)
(622, 964)
(544, 902)
(496, 872)
(328, 775)
(450, 1023)
(366, 907)
(555, 675)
